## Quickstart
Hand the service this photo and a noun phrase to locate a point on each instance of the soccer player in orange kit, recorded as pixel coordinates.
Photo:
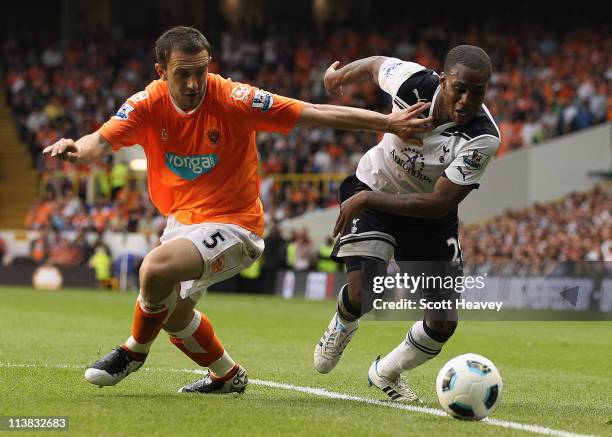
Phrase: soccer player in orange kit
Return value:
(198, 133)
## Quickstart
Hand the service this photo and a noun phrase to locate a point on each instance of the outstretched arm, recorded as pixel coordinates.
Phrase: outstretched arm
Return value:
(356, 71)
(444, 198)
(406, 124)
(88, 149)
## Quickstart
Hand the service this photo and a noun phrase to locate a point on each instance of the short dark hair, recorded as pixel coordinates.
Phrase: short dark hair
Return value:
(184, 39)
(470, 56)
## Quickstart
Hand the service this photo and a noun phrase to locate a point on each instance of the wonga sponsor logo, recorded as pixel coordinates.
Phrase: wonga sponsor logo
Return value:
(413, 164)
(191, 167)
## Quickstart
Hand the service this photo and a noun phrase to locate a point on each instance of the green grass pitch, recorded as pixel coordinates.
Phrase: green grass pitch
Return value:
(556, 374)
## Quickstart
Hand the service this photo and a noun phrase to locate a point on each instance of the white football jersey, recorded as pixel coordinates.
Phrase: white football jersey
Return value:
(461, 152)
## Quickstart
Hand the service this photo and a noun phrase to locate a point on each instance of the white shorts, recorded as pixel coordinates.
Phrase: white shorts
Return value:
(225, 248)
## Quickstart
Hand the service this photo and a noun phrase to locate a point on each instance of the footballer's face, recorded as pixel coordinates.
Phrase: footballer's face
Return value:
(464, 91)
(186, 75)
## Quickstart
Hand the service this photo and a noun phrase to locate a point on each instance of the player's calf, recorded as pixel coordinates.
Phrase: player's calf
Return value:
(198, 341)
(147, 322)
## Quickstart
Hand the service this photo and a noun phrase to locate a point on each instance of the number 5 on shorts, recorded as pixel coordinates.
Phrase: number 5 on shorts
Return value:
(216, 238)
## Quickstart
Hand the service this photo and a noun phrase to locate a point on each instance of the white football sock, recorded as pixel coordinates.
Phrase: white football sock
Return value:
(414, 351)
(222, 366)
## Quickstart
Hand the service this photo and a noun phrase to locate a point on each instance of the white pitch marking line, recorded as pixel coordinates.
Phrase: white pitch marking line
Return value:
(537, 429)
(433, 411)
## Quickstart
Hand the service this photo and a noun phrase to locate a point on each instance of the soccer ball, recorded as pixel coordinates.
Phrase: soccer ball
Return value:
(469, 387)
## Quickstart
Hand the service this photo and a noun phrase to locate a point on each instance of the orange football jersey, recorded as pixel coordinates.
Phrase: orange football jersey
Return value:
(202, 165)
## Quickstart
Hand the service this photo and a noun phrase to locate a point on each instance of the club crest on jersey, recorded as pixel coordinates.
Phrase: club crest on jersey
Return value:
(475, 159)
(192, 166)
(213, 135)
(124, 112)
(240, 92)
(445, 151)
(262, 100)
(163, 135)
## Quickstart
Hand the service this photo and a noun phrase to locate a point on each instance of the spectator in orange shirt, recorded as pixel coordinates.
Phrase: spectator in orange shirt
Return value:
(39, 248)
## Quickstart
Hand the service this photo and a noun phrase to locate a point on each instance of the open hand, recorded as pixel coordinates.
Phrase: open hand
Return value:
(330, 81)
(349, 210)
(64, 149)
(409, 125)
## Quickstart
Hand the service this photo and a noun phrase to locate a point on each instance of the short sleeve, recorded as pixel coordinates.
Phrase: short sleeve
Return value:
(126, 127)
(262, 110)
(393, 72)
(471, 160)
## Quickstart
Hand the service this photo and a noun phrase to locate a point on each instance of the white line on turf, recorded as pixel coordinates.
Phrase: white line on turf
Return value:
(334, 395)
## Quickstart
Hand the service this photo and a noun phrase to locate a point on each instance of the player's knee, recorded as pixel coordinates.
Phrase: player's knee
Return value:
(156, 280)
(175, 324)
(441, 330)
(150, 272)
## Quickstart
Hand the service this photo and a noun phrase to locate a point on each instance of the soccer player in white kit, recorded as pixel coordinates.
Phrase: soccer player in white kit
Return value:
(403, 200)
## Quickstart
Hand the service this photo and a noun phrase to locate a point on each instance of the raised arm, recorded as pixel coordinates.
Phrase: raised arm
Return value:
(87, 149)
(356, 71)
(406, 124)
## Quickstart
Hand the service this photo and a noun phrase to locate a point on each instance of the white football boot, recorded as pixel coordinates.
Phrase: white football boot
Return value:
(331, 345)
(397, 389)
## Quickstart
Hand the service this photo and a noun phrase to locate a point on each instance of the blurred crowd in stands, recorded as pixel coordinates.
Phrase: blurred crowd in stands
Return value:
(557, 238)
(126, 208)
(544, 84)
(539, 238)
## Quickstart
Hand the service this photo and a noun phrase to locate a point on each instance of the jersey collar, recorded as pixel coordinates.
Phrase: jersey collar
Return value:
(193, 111)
